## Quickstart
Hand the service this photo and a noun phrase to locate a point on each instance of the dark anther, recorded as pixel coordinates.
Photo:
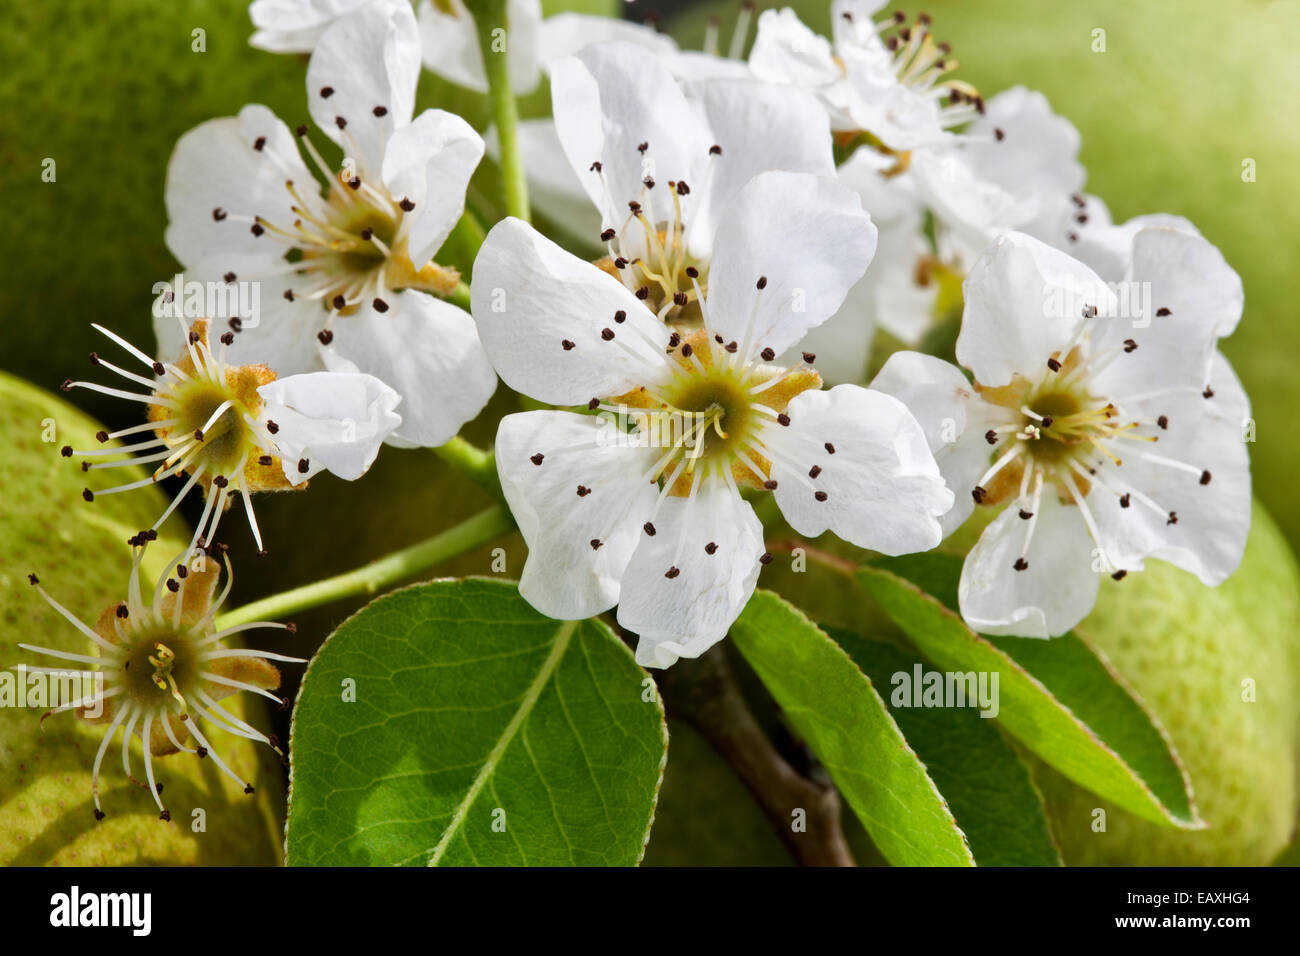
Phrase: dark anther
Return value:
(221, 481)
(830, 449)
(303, 466)
(620, 263)
(272, 427)
(715, 150)
(248, 788)
(761, 283)
(1054, 365)
(288, 295)
(732, 347)
(979, 493)
(1020, 564)
(301, 129)
(687, 351)
(643, 293)
(820, 495)
(767, 355)
(692, 272)
(173, 585)
(814, 471)
(810, 357)
(711, 548)
(354, 183)
(649, 529)
(679, 298)
(88, 494)
(783, 419)
(33, 579)
(66, 451)
(339, 302)
(325, 336)
(537, 459)
(607, 235)
(101, 436)
(642, 147)
(1162, 312)
(1047, 421)
(566, 345)
(1130, 345)
(256, 229)
(672, 573)
(1163, 421)
(770, 484)
(406, 205)
(340, 122)
(595, 544)
(595, 167)
(99, 814)
(259, 143)
(683, 189)
(674, 340)
(1173, 518)
(218, 214)
(1208, 393)
(1025, 515)
(264, 460)
(1205, 477)
(765, 558)
(620, 316)
(593, 404)
(229, 277)
(998, 134)
(380, 110)
(648, 182)
(607, 334)
(583, 491)
(227, 338)
(380, 305)
(635, 207)
(1120, 575)
(327, 91)
(1125, 500)
(991, 437)
(122, 611)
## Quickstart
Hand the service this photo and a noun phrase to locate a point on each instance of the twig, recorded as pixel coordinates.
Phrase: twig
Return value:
(704, 693)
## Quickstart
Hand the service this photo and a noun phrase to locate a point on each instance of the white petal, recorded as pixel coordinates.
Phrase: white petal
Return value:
(1053, 594)
(608, 101)
(685, 615)
(429, 352)
(334, 421)
(294, 26)
(741, 114)
(972, 206)
(1213, 519)
(808, 237)
(451, 45)
(953, 417)
(530, 297)
(1024, 302)
(883, 489)
(368, 58)
(1108, 248)
(564, 576)
(430, 162)
(217, 171)
(786, 51)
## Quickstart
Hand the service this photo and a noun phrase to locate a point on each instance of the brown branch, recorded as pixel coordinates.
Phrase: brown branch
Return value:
(704, 693)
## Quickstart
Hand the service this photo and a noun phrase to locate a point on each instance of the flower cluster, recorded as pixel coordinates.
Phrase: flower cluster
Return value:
(723, 223)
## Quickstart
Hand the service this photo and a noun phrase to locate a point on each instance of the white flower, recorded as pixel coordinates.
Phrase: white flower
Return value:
(243, 207)
(450, 40)
(236, 428)
(653, 519)
(1112, 435)
(662, 160)
(891, 85)
(182, 670)
(1016, 168)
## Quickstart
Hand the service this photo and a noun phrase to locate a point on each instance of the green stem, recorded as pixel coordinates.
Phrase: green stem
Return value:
(379, 574)
(489, 17)
(459, 296)
(474, 463)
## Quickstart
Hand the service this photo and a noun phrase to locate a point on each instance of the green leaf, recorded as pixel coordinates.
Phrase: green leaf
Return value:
(988, 788)
(836, 710)
(451, 724)
(79, 551)
(1060, 698)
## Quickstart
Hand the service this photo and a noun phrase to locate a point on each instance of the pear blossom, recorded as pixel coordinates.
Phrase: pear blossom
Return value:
(652, 518)
(887, 79)
(661, 160)
(183, 669)
(1106, 438)
(343, 275)
(230, 428)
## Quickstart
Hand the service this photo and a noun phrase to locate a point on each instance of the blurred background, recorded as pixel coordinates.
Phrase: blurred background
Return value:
(1185, 96)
